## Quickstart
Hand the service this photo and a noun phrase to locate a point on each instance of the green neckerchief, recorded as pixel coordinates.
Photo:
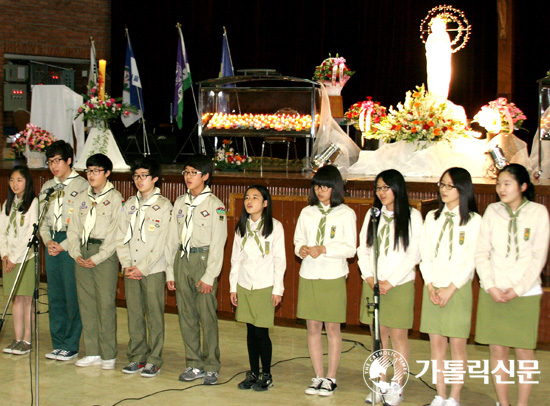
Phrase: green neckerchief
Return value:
(250, 233)
(513, 226)
(448, 222)
(15, 205)
(322, 224)
(385, 232)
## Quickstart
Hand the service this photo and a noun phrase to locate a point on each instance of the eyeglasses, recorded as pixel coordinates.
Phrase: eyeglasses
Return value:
(190, 173)
(442, 185)
(382, 188)
(54, 161)
(322, 188)
(94, 171)
(142, 176)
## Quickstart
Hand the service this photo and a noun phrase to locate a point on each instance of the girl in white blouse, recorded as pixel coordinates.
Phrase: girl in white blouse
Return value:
(511, 252)
(19, 213)
(258, 263)
(447, 249)
(398, 231)
(325, 236)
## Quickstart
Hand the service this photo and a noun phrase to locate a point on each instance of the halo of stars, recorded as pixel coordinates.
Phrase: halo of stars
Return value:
(450, 15)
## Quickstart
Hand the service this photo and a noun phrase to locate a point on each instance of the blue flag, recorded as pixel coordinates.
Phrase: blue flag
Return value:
(183, 79)
(226, 69)
(131, 88)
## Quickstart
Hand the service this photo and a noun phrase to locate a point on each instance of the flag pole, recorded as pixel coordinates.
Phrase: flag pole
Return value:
(178, 26)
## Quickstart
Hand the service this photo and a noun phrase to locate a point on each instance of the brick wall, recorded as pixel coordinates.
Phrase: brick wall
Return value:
(55, 28)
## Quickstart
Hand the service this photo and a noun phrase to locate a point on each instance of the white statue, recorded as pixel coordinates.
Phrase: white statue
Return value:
(438, 56)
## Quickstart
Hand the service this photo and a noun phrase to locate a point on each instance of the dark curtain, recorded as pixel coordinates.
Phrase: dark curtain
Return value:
(380, 40)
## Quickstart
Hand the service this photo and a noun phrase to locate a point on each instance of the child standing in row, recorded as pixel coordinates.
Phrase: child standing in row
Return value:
(324, 239)
(65, 322)
(141, 238)
(511, 252)
(19, 214)
(448, 244)
(194, 249)
(398, 232)
(92, 244)
(258, 263)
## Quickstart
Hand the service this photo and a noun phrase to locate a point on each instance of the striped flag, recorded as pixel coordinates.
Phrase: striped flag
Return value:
(131, 88)
(183, 79)
(93, 72)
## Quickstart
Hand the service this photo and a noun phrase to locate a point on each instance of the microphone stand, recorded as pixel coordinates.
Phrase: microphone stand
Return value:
(34, 241)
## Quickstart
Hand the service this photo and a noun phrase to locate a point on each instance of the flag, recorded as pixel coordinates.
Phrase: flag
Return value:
(226, 67)
(183, 79)
(131, 88)
(92, 73)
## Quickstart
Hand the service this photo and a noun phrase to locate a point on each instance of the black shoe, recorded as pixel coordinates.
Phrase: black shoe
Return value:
(249, 381)
(133, 367)
(265, 381)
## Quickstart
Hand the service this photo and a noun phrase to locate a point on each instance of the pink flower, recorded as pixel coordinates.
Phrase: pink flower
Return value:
(126, 113)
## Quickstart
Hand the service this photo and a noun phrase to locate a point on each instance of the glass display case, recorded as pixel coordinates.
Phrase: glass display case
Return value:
(259, 106)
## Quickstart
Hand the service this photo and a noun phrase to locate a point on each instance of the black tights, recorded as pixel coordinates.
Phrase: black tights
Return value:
(259, 348)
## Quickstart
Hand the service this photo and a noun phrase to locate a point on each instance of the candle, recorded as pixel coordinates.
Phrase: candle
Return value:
(101, 79)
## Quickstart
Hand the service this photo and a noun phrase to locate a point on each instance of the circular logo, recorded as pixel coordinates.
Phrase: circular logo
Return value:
(384, 369)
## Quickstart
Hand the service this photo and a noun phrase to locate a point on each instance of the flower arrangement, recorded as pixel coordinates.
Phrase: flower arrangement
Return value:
(333, 70)
(33, 137)
(420, 118)
(105, 110)
(364, 114)
(226, 158)
(500, 116)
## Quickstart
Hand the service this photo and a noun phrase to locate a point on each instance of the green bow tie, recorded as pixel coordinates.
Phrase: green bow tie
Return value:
(448, 222)
(13, 214)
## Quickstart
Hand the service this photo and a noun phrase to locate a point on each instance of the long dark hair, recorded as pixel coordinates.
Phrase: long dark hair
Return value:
(462, 181)
(520, 174)
(29, 194)
(267, 213)
(328, 176)
(402, 210)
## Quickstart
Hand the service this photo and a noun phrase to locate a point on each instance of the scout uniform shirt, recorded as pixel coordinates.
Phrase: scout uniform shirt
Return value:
(107, 214)
(498, 262)
(13, 242)
(209, 230)
(396, 266)
(147, 256)
(455, 259)
(66, 197)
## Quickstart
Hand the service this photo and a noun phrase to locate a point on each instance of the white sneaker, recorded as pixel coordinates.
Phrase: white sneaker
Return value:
(108, 363)
(451, 402)
(88, 361)
(376, 395)
(313, 389)
(394, 395)
(438, 401)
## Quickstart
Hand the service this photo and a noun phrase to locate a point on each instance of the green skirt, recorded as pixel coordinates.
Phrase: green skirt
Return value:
(513, 324)
(453, 320)
(255, 306)
(396, 306)
(25, 287)
(322, 300)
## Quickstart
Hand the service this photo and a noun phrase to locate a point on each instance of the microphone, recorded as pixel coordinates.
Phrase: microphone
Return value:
(50, 190)
(375, 212)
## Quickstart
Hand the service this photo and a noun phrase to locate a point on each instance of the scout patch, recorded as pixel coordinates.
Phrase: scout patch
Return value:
(332, 231)
(83, 206)
(180, 213)
(106, 203)
(156, 207)
(267, 248)
(220, 210)
(74, 193)
(151, 227)
(71, 210)
(461, 237)
(22, 222)
(526, 234)
(205, 213)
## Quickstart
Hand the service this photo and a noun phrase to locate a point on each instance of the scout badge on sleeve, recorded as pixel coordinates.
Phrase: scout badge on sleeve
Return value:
(221, 212)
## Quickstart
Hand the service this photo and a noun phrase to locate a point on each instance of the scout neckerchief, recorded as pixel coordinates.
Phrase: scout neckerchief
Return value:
(448, 222)
(513, 226)
(385, 232)
(187, 229)
(89, 223)
(322, 224)
(139, 215)
(58, 205)
(15, 205)
(250, 233)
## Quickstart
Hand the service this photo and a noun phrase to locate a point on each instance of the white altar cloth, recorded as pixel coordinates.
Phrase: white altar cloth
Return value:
(102, 141)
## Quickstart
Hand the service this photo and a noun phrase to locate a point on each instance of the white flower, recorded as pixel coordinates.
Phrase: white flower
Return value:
(489, 119)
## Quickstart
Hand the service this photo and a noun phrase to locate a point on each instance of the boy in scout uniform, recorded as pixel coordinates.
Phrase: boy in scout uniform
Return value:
(65, 323)
(92, 244)
(198, 232)
(141, 238)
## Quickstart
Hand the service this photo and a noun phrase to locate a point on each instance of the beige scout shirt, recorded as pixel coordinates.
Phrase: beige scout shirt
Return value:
(107, 215)
(76, 186)
(147, 256)
(209, 229)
